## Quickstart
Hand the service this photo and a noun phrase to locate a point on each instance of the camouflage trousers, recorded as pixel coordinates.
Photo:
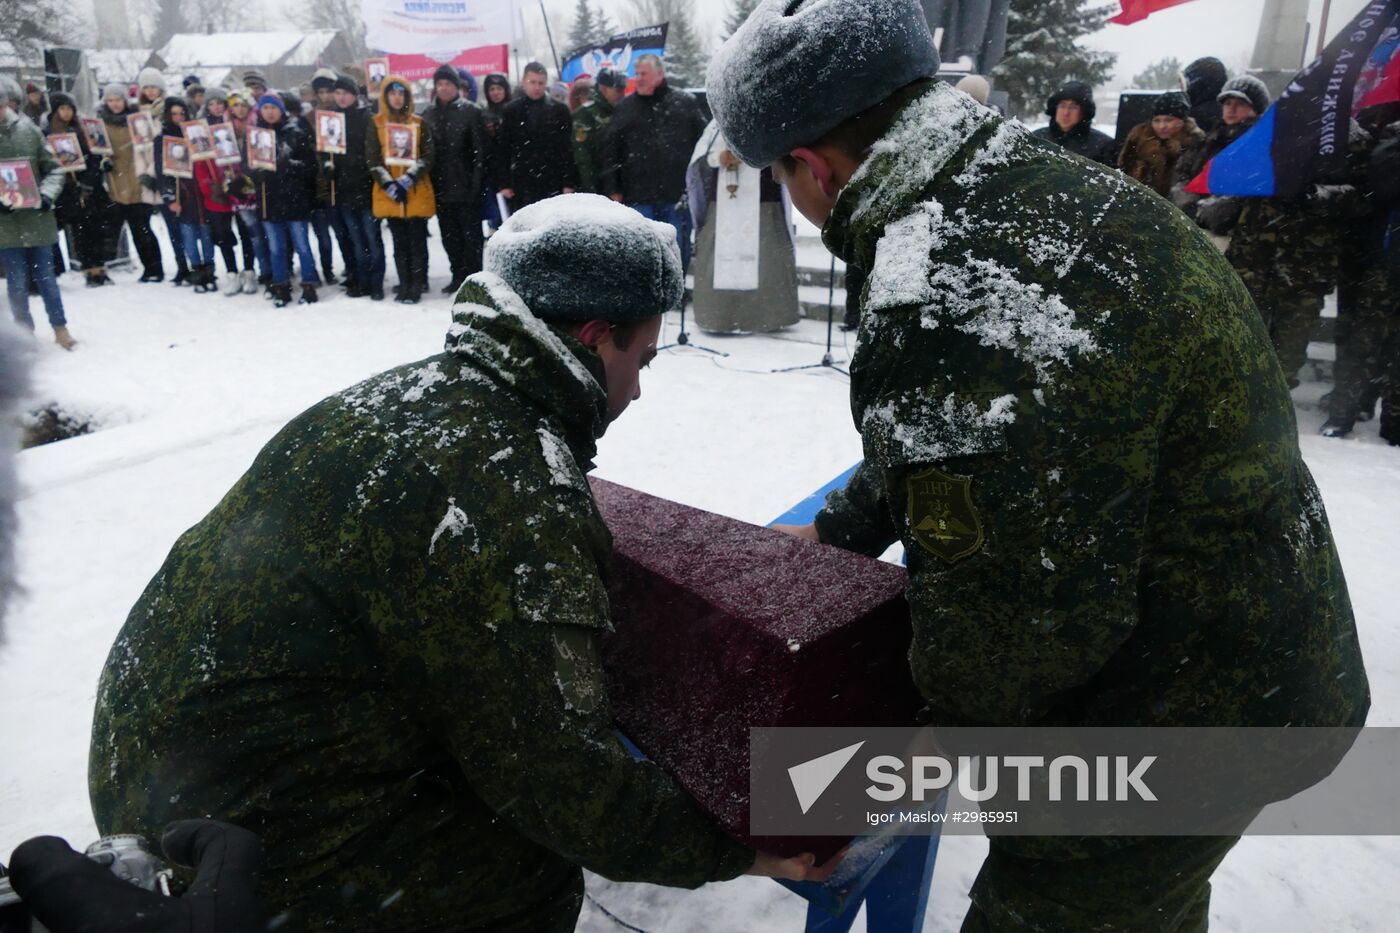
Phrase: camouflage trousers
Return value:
(1291, 316)
(1159, 884)
(1368, 335)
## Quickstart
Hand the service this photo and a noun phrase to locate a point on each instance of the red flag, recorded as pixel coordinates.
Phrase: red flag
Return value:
(1135, 11)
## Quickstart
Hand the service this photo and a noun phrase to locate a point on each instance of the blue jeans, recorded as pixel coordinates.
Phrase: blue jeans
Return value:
(252, 230)
(670, 214)
(281, 239)
(198, 244)
(364, 230)
(22, 262)
(177, 241)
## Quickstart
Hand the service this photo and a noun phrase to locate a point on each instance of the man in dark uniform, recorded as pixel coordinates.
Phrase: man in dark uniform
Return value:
(590, 123)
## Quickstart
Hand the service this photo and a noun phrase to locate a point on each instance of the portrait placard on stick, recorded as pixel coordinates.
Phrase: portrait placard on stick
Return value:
(200, 139)
(262, 148)
(330, 132)
(176, 158)
(67, 150)
(225, 144)
(142, 127)
(402, 148)
(18, 188)
(97, 139)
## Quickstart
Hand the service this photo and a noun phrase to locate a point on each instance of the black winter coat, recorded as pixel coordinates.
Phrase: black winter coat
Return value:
(648, 146)
(353, 185)
(536, 150)
(1083, 140)
(289, 194)
(461, 151)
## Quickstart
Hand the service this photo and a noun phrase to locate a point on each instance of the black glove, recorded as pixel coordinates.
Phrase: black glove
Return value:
(5, 208)
(45, 203)
(148, 182)
(328, 166)
(106, 165)
(70, 893)
(1219, 214)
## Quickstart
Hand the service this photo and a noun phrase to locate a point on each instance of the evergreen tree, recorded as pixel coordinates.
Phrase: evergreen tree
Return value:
(686, 56)
(739, 11)
(604, 27)
(1164, 75)
(686, 59)
(585, 31)
(1043, 50)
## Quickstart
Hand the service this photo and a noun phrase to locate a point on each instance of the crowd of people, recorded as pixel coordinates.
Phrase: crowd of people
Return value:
(470, 163)
(1291, 253)
(479, 154)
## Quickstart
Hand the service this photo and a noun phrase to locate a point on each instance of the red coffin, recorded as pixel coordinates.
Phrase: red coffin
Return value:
(721, 626)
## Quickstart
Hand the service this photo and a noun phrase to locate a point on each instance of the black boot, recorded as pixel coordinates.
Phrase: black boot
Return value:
(308, 295)
(376, 293)
(281, 295)
(182, 274)
(1336, 427)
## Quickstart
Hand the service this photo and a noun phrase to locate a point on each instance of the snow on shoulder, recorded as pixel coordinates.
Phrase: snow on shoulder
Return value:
(584, 257)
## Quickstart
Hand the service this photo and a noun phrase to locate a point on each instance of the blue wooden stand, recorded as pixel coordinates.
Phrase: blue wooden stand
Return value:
(893, 883)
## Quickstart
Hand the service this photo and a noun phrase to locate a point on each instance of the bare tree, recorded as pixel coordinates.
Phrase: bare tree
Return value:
(343, 15)
(30, 25)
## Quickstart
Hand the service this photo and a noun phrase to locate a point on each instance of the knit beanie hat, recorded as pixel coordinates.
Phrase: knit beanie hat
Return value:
(611, 77)
(274, 100)
(115, 89)
(150, 77)
(447, 73)
(797, 69)
(584, 257)
(323, 79)
(1250, 89)
(346, 83)
(1172, 104)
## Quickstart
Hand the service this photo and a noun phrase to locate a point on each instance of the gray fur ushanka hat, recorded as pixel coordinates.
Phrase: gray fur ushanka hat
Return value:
(584, 257)
(797, 69)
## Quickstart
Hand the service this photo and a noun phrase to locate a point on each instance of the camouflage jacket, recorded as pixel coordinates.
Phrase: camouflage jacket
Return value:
(1073, 419)
(590, 123)
(379, 653)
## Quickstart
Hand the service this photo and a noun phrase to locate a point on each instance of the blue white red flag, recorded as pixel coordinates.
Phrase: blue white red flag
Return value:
(1304, 135)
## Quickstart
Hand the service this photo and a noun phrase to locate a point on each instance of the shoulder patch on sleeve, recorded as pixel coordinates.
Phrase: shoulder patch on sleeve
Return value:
(942, 517)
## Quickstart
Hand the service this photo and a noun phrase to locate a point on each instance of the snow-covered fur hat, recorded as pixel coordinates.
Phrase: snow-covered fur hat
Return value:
(797, 70)
(150, 77)
(1249, 89)
(584, 257)
(14, 370)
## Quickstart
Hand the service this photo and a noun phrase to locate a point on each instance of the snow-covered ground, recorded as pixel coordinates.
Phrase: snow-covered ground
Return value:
(184, 389)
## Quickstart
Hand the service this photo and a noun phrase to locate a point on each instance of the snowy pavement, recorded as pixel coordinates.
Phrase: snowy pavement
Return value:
(183, 390)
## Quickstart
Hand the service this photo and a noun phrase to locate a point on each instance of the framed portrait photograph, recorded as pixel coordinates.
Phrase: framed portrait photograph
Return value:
(401, 146)
(142, 127)
(330, 132)
(177, 159)
(226, 151)
(67, 150)
(376, 70)
(262, 148)
(97, 139)
(19, 190)
(200, 139)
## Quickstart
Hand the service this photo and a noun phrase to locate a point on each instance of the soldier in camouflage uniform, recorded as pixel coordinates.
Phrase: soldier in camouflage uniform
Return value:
(1075, 423)
(379, 651)
(591, 121)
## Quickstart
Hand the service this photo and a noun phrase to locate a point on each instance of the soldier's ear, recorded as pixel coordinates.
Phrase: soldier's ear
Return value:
(592, 333)
(821, 169)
